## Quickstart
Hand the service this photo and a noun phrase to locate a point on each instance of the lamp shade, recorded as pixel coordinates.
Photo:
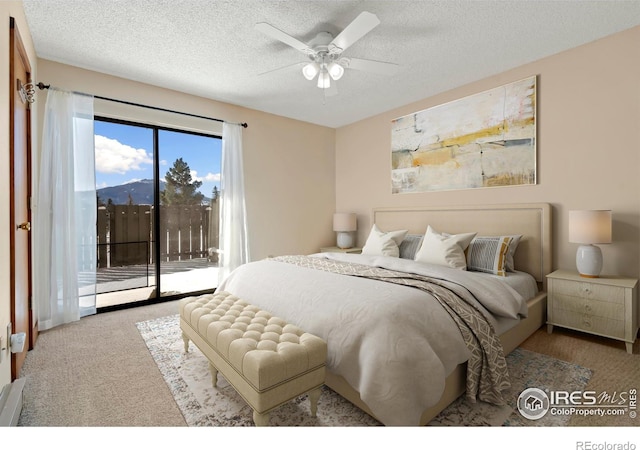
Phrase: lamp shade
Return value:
(590, 226)
(335, 70)
(310, 70)
(344, 222)
(324, 82)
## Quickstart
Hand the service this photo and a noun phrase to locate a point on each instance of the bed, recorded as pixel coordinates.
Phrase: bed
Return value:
(394, 351)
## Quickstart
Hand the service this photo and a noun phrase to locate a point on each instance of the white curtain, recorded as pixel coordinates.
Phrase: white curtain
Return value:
(65, 212)
(233, 243)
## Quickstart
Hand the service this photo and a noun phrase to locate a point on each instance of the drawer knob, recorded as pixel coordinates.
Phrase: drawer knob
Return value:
(587, 307)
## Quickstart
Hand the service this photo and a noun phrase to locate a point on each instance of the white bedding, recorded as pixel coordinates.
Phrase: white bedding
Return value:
(394, 344)
(522, 282)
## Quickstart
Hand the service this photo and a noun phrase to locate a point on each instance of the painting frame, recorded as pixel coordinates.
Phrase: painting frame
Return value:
(487, 139)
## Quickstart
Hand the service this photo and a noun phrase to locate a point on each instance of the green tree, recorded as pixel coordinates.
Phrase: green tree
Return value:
(180, 188)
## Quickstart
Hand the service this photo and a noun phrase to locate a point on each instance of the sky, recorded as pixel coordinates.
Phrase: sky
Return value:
(124, 153)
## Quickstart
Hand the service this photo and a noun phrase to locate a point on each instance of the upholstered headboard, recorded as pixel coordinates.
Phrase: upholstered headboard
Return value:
(531, 220)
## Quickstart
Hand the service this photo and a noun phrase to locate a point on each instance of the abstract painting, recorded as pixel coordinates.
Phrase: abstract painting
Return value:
(483, 140)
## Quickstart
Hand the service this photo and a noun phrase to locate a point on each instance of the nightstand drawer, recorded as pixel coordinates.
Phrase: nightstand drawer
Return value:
(591, 307)
(589, 323)
(606, 306)
(589, 291)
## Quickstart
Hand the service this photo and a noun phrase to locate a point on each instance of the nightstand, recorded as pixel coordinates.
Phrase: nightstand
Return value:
(340, 250)
(606, 306)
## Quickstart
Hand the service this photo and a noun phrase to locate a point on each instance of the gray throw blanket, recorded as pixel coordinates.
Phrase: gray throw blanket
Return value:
(487, 374)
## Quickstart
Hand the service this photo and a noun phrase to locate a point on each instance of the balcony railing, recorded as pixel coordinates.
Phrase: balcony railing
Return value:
(126, 243)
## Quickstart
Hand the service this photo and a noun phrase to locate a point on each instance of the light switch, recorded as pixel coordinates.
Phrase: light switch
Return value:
(17, 342)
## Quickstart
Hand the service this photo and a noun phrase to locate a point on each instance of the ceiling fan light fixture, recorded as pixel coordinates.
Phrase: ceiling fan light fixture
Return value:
(325, 51)
(335, 70)
(323, 80)
(311, 70)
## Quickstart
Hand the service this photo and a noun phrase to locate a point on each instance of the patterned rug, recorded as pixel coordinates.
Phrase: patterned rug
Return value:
(188, 378)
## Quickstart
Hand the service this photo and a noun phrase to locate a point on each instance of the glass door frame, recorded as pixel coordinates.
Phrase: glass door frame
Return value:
(158, 298)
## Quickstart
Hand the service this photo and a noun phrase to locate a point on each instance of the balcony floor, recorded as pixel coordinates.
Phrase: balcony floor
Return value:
(130, 284)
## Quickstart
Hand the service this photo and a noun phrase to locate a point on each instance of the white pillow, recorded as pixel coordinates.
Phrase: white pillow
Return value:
(444, 249)
(380, 243)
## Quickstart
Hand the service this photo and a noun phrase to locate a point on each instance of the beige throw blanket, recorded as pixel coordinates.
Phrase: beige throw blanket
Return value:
(487, 375)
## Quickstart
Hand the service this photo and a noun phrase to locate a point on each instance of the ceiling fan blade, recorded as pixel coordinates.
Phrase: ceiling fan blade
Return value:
(275, 33)
(360, 26)
(367, 65)
(290, 67)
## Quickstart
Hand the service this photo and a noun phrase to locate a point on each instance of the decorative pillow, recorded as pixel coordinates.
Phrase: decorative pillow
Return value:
(489, 254)
(512, 251)
(410, 245)
(444, 249)
(383, 244)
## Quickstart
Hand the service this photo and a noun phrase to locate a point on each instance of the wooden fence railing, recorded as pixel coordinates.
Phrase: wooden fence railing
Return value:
(126, 233)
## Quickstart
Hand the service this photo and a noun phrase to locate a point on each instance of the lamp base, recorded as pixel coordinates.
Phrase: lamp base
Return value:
(589, 261)
(345, 239)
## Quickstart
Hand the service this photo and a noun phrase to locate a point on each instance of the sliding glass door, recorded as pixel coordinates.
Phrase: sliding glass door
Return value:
(157, 212)
(189, 167)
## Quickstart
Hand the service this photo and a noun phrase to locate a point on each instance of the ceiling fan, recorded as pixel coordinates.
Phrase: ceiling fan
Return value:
(325, 51)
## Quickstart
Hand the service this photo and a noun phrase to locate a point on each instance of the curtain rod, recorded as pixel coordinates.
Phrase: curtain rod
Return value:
(42, 86)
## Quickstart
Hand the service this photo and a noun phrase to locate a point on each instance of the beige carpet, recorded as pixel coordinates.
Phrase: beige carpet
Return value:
(99, 372)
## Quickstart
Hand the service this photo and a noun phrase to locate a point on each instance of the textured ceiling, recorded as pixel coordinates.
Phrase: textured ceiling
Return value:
(211, 49)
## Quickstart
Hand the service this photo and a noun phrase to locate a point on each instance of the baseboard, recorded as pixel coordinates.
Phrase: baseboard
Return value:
(11, 403)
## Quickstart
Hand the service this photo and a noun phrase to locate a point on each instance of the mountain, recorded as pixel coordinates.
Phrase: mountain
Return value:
(141, 193)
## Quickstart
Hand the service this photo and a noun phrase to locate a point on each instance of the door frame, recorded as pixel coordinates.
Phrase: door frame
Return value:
(16, 45)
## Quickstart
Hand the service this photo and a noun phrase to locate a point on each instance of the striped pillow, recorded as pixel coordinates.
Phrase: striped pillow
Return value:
(512, 251)
(410, 245)
(489, 254)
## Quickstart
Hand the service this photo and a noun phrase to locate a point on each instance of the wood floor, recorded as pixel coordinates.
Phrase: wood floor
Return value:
(613, 369)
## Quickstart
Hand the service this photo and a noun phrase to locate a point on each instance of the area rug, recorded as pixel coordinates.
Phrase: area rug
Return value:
(189, 379)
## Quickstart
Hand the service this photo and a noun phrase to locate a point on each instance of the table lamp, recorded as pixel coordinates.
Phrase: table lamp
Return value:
(345, 225)
(589, 227)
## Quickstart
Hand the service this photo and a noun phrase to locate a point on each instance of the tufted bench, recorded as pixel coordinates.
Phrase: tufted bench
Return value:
(267, 360)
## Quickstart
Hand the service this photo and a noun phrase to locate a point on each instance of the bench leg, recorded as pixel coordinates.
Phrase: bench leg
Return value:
(185, 339)
(214, 374)
(260, 420)
(314, 396)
